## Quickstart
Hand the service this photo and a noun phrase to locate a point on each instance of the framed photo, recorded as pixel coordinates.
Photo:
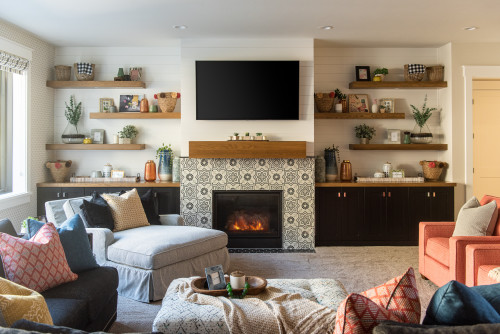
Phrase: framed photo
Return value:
(97, 136)
(388, 105)
(118, 174)
(358, 103)
(215, 278)
(130, 103)
(105, 103)
(363, 73)
(394, 136)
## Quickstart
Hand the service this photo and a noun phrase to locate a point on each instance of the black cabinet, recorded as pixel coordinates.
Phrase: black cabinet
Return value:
(51, 194)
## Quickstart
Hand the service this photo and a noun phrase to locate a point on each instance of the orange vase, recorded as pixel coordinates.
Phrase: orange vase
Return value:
(345, 171)
(144, 105)
(150, 171)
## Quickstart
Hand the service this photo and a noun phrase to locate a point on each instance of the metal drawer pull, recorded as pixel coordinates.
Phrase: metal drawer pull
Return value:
(383, 194)
(428, 194)
(338, 194)
(433, 194)
(389, 194)
(58, 195)
(344, 195)
(64, 194)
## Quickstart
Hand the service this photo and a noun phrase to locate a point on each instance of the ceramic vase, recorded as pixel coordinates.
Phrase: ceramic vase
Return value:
(176, 170)
(165, 166)
(319, 171)
(331, 170)
(150, 171)
(71, 135)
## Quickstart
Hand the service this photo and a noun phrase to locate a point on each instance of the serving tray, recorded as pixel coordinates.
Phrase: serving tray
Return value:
(257, 285)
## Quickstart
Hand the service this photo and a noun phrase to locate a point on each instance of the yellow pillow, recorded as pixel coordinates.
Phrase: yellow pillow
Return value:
(18, 302)
(127, 210)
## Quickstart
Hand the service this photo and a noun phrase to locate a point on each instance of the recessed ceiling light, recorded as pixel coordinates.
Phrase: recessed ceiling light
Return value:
(181, 27)
(326, 27)
(470, 28)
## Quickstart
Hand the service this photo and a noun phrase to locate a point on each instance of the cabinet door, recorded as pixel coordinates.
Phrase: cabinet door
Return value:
(328, 207)
(441, 204)
(352, 208)
(419, 198)
(169, 200)
(45, 195)
(374, 226)
(100, 190)
(397, 215)
(71, 192)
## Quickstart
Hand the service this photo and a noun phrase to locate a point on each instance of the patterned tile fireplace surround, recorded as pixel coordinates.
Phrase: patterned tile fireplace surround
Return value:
(295, 177)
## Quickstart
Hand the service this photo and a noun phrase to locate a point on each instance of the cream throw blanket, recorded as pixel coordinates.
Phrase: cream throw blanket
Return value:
(272, 311)
(494, 274)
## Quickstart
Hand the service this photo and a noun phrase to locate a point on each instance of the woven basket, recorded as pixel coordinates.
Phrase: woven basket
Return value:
(324, 102)
(167, 101)
(435, 73)
(433, 173)
(413, 76)
(63, 72)
(84, 76)
(59, 169)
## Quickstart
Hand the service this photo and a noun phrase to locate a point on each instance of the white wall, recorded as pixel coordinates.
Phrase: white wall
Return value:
(335, 68)
(161, 72)
(292, 49)
(41, 120)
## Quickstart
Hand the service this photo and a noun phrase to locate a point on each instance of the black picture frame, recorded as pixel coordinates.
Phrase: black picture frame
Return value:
(363, 73)
(215, 278)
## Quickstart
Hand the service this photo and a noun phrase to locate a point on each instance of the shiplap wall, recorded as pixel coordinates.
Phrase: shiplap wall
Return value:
(335, 68)
(291, 49)
(161, 72)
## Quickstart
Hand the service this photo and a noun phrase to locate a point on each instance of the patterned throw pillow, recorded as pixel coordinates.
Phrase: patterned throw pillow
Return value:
(127, 210)
(39, 263)
(395, 300)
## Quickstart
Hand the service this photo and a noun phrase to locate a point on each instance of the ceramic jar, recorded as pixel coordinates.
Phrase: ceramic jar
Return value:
(150, 171)
(345, 171)
(106, 170)
(165, 166)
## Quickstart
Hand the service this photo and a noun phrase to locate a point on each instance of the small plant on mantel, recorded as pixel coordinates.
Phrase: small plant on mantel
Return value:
(339, 95)
(128, 133)
(165, 150)
(364, 132)
(380, 73)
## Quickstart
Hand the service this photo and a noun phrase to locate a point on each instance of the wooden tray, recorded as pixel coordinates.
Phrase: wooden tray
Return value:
(257, 285)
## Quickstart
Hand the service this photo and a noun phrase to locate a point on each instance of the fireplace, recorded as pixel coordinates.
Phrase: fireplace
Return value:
(251, 218)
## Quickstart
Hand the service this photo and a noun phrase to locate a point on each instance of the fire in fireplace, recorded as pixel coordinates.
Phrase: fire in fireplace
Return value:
(242, 220)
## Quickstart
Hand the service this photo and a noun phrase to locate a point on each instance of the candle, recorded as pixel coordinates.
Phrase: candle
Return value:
(237, 279)
(115, 139)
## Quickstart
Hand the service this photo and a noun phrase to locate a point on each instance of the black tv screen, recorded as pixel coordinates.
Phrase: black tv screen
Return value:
(247, 90)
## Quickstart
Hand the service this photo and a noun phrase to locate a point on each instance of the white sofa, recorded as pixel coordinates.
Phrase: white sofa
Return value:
(148, 258)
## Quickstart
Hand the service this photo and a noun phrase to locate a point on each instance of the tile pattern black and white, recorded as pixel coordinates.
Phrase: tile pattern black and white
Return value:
(295, 177)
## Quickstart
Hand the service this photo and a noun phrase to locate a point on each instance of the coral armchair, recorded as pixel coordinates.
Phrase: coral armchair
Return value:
(480, 259)
(441, 257)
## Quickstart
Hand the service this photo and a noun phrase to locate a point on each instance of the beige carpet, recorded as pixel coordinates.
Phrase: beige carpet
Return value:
(358, 268)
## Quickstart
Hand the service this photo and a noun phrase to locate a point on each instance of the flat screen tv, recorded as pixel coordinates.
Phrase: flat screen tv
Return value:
(247, 90)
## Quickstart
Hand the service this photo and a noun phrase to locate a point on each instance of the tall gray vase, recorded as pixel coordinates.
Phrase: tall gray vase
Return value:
(319, 171)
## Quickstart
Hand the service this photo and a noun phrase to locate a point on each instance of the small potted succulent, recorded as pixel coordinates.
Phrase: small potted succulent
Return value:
(258, 136)
(380, 74)
(128, 133)
(341, 105)
(236, 136)
(365, 133)
(247, 136)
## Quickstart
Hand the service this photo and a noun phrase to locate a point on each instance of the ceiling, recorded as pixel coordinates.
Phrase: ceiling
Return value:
(357, 23)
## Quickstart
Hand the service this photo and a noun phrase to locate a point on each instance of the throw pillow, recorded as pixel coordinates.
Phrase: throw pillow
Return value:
(476, 220)
(72, 206)
(96, 215)
(18, 302)
(149, 203)
(487, 199)
(395, 300)
(127, 210)
(39, 263)
(458, 305)
(74, 240)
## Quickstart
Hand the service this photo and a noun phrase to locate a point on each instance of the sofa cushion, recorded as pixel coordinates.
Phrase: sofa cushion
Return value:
(127, 210)
(72, 206)
(475, 219)
(439, 250)
(150, 205)
(54, 211)
(156, 246)
(392, 327)
(68, 312)
(487, 199)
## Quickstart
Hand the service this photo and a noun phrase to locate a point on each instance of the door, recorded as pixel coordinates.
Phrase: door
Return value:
(374, 226)
(352, 208)
(485, 121)
(397, 214)
(328, 206)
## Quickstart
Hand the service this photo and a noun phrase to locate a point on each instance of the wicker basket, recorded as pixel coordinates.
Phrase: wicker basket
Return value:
(167, 101)
(59, 169)
(63, 72)
(84, 76)
(413, 76)
(435, 73)
(433, 173)
(324, 102)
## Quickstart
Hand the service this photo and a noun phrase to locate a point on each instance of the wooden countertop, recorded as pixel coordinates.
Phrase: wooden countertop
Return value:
(366, 184)
(142, 184)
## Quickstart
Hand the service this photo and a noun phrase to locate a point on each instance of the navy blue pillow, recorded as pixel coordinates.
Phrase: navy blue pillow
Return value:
(456, 304)
(75, 243)
(96, 215)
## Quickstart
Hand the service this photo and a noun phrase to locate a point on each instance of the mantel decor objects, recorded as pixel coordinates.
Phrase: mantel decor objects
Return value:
(167, 101)
(358, 103)
(130, 103)
(84, 71)
(105, 103)
(73, 112)
(363, 73)
(59, 169)
(387, 105)
(324, 101)
(421, 133)
(127, 134)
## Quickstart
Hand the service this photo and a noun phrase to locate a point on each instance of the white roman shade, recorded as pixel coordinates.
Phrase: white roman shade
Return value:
(13, 63)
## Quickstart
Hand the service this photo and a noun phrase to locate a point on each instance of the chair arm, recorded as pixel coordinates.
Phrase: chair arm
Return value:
(172, 219)
(477, 255)
(427, 230)
(101, 239)
(458, 256)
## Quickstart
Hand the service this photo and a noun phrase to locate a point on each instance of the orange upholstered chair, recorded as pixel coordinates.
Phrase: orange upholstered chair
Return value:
(441, 257)
(480, 259)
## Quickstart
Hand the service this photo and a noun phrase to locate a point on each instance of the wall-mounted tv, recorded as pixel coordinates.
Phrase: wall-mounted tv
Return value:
(247, 90)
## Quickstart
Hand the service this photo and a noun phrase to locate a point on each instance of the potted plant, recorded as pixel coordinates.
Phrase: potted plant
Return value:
(365, 133)
(24, 224)
(258, 136)
(235, 136)
(166, 156)
(71, 135)
(247, 136)
(128, 133)
(421, 133)
(341, 105)
(380, 74)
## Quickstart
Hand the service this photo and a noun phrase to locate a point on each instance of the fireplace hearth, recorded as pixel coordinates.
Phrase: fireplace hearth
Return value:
(251, 219)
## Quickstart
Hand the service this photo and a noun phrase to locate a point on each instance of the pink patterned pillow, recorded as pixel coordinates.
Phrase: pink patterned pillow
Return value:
(39, 263)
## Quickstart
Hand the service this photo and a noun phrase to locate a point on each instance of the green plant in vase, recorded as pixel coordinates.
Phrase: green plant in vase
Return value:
(166, 156)
(128, 133)
(421, 133)
(73, 112)
(341, 105)
(365, 133)
(380, 73)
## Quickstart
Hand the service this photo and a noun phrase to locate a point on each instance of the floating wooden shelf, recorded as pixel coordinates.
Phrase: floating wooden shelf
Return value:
(135, 115)
(383, 184)
(247, 149)
(397, 84)
(358, 115)
(96, 84)
(95, 147)
(142, 184)
(399, 147)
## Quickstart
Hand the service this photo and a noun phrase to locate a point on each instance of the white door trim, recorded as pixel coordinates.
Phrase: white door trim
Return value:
(471, 73)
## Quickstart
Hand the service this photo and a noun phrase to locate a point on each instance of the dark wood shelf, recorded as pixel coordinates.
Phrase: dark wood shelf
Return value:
(96, 84)
(399, 147)
(397, 84)
(95, 147)
(135, 115)
(358, 115)
(247, 149)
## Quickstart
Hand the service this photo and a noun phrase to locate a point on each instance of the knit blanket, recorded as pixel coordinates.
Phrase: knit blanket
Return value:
(494, 274)
(272, 311)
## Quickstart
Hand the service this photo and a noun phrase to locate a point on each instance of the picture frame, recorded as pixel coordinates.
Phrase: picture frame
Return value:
(363, 73)
(97, 136)
(358, 103)
(389, 105)
(215, 278)
(105, 103)
(117, 174)
(394, 136)
(130, 103)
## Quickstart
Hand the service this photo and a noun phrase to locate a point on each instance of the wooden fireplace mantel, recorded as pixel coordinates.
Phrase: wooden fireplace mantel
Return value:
(247, 149)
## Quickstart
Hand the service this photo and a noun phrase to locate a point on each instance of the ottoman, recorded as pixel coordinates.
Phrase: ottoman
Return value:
(179, 316)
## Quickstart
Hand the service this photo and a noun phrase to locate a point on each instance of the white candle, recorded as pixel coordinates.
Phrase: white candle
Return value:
(115, 139)
(237, 279)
